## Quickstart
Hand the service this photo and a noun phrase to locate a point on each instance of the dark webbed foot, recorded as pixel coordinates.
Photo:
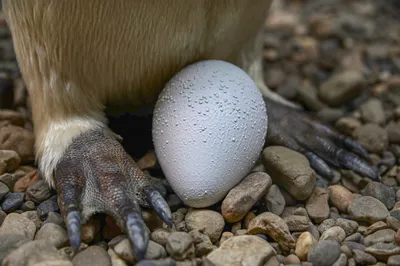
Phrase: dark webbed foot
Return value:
(96, 175)
(322, 145)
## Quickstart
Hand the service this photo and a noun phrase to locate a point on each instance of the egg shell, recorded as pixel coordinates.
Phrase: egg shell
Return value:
(209, 127)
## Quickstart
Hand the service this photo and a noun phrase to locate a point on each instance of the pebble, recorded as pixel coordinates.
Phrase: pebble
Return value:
(341, 261)
(225, 236)
(334, 232)
(38, 192)
(317, 205)
(380, 236)
(47, 206)
(368, 209)
(160, 235)
(27, 180)
(4, 190)
(28, 206)
(290, 170)
(247, 219)
(13, 201)
(202, 243)
(123, 249)
(38, 252)
(17, 224)
(55, 218)
(242, 197)
(93, 255)
(210, 221)
(349, 226)
(274, 200)
(375, 227)
(393, 132)
(340, 197)
(318, 254)
(381, 192)
(372, 111)
(347, 125)
(180, 246)
(393, 223)
(242, 250)
(363, 258)
(274, 226)
(394, 260)
(18, 139)
(341, 87)
(373, 137)
(53, 234)
(303, 245)
(34, 217)
(115, 259)
(297, 223)
(292, 259)
(382, 251)
(2, 217)
(89, 230)
(9, 161)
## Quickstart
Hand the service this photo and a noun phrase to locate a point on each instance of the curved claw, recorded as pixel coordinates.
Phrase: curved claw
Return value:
(159, 205)
(349, 161)
(355, 147)
(73, 223)
(137, 234)
(319, 165)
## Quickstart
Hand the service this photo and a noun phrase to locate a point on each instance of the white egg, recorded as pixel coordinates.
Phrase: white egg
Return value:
(209, 127)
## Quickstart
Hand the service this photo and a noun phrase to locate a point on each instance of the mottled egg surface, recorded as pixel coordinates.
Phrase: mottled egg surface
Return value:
(209, 127)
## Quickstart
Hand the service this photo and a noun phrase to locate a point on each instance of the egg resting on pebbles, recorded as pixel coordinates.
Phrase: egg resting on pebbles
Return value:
(209, 128)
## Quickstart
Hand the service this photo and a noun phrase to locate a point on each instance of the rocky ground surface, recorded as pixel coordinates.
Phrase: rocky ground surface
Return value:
(339, 59)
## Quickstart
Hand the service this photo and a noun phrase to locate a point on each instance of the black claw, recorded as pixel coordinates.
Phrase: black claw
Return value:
(73, 223)
(159, 205)
(348, 161)
(137, 233)
(319, 165)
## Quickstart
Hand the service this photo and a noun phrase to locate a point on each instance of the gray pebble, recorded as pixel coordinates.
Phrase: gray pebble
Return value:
(349, 226)
(55, 218)
(163, 262)
(38, 191)
(180, 246)
(4, 190)
(368, 209)
(380, 236)
(28, 206)
(12, 201)
(38, 252)
(2, 217)
(174, 202)
(373, 137)
(93, 255)
(53, 234)
(335, 232)
(47, 206)
(372, 111)
(394, 260)
(383, 193)
(34, 217)
(324, 253)
(341, 261)
(356, 237)
(363, 258)
(160, 235)
(274, 200)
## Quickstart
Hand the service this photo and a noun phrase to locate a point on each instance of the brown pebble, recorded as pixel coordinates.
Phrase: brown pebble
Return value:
(340, 197)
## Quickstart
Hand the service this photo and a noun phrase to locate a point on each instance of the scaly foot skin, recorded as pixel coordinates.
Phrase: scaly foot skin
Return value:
(96, 175)
(322, 145)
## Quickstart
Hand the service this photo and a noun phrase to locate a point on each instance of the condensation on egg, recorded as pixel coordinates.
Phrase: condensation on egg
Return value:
(209, 127)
